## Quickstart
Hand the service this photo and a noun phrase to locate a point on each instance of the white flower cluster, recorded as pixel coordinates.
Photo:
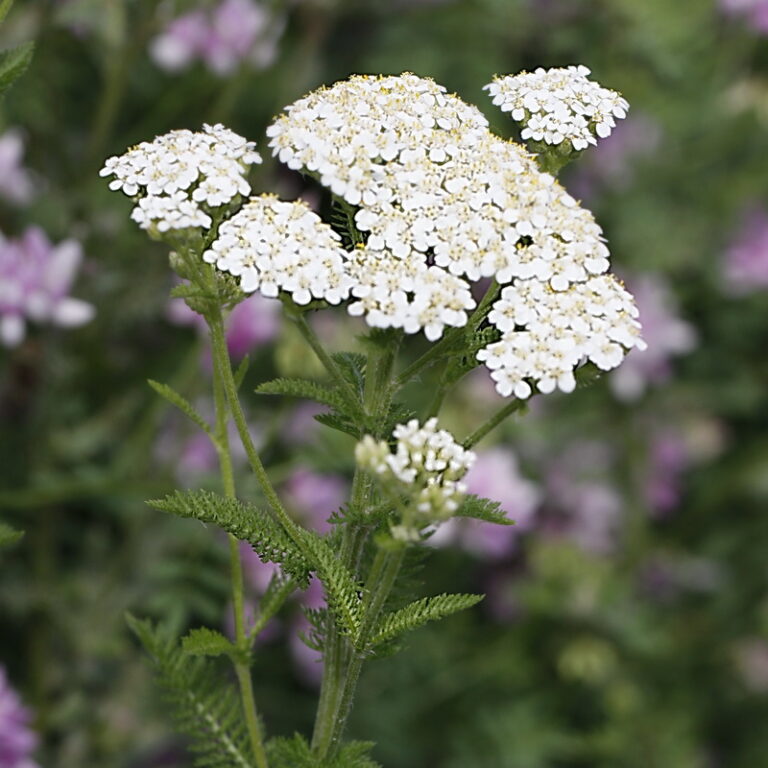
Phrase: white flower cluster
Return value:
(181, 176)
(441, 200)
(547, 333)
(276, 246)
(427, 461)
(559, 105)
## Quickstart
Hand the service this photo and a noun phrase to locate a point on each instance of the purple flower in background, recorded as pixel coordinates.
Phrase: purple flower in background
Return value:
(611, 163)
(253, 322)
(35, 278)
(745, 266)
(754, 11)
(17, 740)
(315, 496)
(666, 334)
(588, 505)
(15, 180)
(669, 457)
(751, 657)
(234, 31)
(495, 475)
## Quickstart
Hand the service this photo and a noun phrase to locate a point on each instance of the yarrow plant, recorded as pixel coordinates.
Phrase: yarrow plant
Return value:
(427, 202)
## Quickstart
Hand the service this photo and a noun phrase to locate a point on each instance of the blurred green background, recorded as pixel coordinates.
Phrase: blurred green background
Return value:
(627, 616)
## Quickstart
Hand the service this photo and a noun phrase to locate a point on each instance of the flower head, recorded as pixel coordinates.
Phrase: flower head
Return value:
(274, 246)
(546, 333)
(182, 176)
(559, 105)
(441, 202)
(35, 279)
(232, 32)
(428, 466)
(17, 740)
(15, 181)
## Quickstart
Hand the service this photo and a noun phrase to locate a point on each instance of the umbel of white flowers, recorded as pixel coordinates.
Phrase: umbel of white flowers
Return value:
(426, 467)
(441, 202)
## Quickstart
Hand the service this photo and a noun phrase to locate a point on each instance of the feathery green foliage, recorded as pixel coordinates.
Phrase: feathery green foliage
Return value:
(5, 6)
(173, 397)
(342, 592)
(13, 63)
(208, 642)
(244, 521)
(352, 366)
(277, 592)
(295, 752)
(205, 710)
(9, 536)
(483, 509)
(304, 388)
(419, 613)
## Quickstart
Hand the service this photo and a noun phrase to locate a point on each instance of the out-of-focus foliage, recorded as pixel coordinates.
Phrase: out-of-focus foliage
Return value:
(626, 622)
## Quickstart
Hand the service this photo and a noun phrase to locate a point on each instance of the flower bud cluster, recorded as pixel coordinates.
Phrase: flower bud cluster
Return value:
(182, 176)
(274, 246)
(559, 105)
(427, 463)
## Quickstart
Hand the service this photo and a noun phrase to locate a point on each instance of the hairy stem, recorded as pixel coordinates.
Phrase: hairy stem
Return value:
(222, 363)
(342, 661)
(242, 669)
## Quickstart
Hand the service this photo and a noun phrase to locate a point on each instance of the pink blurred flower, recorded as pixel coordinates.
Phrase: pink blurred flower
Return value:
(308, 662)
(315, 496)
(578, 491)
(669, 457)
(17, 739)
(751, 656)
(496, 476)
(252, 323)
(15, 181)
(35, 279)
(755, 12)
(234, 31)
(666, 334)
(745, 265)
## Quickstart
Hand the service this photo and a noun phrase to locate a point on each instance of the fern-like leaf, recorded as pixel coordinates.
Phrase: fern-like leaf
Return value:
(418, 613)
(244, 521)
(208, 642)
(9, 536)
(339, 422)
(310, 390)
(207, 712)
(483, 509)
(173, 397)
(342, 592)
(295, 752)
(352, 366)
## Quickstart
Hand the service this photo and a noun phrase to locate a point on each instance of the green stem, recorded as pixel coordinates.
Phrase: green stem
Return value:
(330, 729)
(222, 362)
(328, 362)
(510, 408)
(242, 669)
(342, 661)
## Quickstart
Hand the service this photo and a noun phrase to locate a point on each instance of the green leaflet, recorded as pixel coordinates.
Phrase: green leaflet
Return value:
(13, 63)
(5, 6)
(245, 522)
(241, 371)
(208, 642)
(342, 592)
(304, 388)
(9, 536)
(483, 509)
(419, 613)
(173, 397)
(294, 752)
(204, 709)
